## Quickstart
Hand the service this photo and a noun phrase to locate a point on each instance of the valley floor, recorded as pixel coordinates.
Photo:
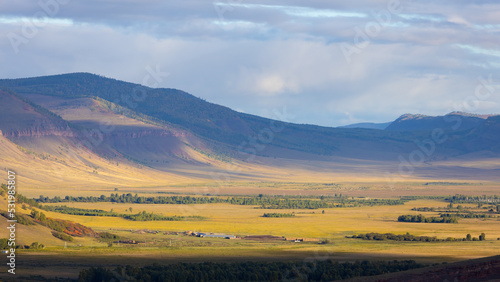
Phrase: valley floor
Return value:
(329, 229)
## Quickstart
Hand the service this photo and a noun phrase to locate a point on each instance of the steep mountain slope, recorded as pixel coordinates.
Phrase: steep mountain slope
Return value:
(483, 138)
(106, 128)
(47, 151)
(82, 125)
(170, 105)
(94, 146)
(20, 118)
(242, 132)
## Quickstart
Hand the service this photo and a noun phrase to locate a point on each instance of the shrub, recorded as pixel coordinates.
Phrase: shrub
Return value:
(62, 236)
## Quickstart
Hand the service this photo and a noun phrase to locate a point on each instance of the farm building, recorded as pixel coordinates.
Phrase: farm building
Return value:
(302, 239)
(126, 242)
(216, 236)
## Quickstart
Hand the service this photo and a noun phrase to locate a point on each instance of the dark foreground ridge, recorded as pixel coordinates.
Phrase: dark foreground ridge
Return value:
(483, 269)
(327, 270)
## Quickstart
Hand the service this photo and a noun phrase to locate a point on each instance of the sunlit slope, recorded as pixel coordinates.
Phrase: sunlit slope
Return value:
(272, 138)
(97, 148)
(76, 167)
(114, 132)
(27, 234)
(77, 138)
(221, 124)
(46, 152)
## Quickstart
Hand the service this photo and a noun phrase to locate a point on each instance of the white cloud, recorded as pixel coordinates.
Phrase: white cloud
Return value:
(258, 56)
(298, 11)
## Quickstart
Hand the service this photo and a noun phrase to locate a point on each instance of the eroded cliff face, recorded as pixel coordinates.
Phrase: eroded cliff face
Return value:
(21, 118)
(40, 130)
(132, 134)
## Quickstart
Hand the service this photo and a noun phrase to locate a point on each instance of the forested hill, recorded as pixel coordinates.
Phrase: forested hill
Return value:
(170, 105)
(240, 131)
(208, 120)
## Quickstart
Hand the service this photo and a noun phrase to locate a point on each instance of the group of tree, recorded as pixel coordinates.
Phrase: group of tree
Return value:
(394, 237)
(421, 218)
(450, 207)
(108, 236)
(494, 208)
(21, 218)
(482, 237)
(274, 214)
(24, 200)
(474, 199)
(141, 216)
(326, 270)
(4, 245)
(134, 199)
(63, 226)
(263, 201)
(80, 211)
(3, 189)
(467, 215)
(62, 236)
(149, 216)
(413, 238)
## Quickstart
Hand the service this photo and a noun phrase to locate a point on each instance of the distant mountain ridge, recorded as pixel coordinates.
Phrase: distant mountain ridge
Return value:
(205, 119)
(420, 122)
(451, 121)
(171, 130)
(368, 125)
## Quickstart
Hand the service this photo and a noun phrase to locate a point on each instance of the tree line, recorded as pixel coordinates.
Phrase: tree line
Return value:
(262, 201)
(21, 218)
(413, 238)
(467, 215)
(458, 198)
(141, 216)
(327, 270)
(64, 226)
(274, 214)
(421, 218)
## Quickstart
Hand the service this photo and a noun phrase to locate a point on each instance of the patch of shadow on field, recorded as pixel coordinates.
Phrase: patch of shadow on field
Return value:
(33, 266)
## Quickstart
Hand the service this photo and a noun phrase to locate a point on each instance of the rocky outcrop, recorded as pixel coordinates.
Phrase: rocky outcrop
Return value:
(133, 134)
(39, 131)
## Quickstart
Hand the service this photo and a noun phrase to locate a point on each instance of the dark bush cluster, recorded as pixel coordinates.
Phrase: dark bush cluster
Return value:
(279, 215)
(62, 236)
(421, 218)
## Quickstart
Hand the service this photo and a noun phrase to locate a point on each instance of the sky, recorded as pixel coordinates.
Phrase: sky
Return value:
(329, 63)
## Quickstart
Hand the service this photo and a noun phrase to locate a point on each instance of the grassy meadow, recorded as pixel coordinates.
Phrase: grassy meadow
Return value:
(165, 241)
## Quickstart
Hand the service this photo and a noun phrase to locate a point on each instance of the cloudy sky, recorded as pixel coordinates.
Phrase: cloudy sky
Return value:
(325, 62)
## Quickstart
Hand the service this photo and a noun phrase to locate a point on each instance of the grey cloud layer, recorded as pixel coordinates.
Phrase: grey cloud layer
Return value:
(255, 55)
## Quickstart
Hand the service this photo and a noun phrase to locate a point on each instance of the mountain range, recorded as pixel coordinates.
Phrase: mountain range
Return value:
(69, 126)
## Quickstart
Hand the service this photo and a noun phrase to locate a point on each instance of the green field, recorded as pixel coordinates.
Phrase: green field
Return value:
(166, 241)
